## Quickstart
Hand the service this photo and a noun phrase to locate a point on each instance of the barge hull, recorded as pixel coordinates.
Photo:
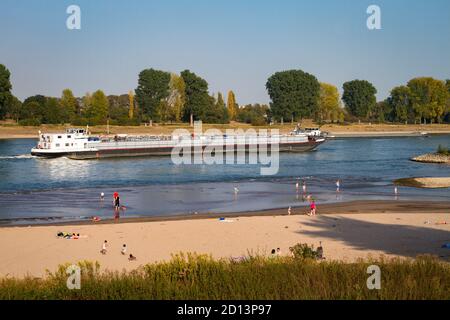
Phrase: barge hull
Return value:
(167, 151)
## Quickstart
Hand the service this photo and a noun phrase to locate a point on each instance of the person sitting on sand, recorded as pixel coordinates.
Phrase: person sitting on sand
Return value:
(132, 258)
(273, 253)
(278, 252)
(124, 249)
(104, 246)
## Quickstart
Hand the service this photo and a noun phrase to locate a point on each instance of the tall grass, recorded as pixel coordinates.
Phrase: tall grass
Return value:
(201, 277)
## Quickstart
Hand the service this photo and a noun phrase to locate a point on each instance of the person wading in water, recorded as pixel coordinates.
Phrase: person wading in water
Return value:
(116, 202)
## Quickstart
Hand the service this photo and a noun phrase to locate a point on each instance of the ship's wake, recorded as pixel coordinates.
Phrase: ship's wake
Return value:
(21, 156)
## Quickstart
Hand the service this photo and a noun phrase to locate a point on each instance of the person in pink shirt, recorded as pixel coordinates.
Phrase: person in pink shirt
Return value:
(312, 208)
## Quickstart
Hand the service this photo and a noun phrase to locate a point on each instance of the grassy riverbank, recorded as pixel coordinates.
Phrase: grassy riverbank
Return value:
(201, 277)
(10, 130)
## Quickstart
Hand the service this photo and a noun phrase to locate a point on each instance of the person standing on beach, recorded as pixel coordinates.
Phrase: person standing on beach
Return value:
(304, 186)
(312, 207)
(297, 186)
(338, 185)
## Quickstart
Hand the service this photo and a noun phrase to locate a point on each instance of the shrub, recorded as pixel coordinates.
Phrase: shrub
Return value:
(443, 150)
(303, 251)
(30, 122)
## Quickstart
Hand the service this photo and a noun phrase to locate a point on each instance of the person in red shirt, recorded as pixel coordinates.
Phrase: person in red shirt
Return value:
(312, 208)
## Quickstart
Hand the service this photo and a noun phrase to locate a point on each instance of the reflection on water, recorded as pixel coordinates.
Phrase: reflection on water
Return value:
(63, 168)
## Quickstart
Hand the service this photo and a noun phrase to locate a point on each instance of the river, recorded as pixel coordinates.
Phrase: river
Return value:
(34, 190)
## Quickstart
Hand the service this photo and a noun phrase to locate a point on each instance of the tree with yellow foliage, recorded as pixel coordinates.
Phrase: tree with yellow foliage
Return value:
(131, 108)
(231, 105)
(329, 103)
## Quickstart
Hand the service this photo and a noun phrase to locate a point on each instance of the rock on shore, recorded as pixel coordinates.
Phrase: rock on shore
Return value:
(432, 158)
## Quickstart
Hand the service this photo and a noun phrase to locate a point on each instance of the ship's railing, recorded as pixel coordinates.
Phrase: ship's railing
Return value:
(198, 141)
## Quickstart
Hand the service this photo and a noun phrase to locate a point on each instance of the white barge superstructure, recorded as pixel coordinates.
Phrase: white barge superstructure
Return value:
(79, 144)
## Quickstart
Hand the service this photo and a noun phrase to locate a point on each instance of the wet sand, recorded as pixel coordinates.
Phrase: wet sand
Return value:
(348, 231)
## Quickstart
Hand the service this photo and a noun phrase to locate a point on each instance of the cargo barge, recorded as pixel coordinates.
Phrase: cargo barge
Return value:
(78, 144)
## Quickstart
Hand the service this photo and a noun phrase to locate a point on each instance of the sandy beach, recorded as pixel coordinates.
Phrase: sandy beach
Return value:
(353, 231)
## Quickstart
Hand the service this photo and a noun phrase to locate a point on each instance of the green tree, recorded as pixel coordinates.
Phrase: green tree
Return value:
(52, 111)
(256, 114)
(198, 100)
(220, 102)
(382, 112)
(31, 112)
(294, 94)
(5, 90)
(329, 103)
(359, 97)
(231, 105)
(429, 98)
(69, 106)
(400, 102)
(14, 108)
(153, 87)
(97, 107)
(217, 112)
(35, 109)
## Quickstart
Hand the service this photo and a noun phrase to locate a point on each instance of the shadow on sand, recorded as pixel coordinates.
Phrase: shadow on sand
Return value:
(400, 240)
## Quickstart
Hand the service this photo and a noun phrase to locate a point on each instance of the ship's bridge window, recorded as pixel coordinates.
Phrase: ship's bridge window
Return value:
(69, 137)
(59, 137)
(67, 144)
(57, 145)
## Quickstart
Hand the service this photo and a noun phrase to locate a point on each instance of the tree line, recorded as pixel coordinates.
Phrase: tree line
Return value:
(296, 95)
(166, 97)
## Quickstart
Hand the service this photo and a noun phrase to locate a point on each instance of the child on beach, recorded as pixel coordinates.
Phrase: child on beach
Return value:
(104, 246)
(132, 258)
(312, 207)
(273, 253)
(124, 249)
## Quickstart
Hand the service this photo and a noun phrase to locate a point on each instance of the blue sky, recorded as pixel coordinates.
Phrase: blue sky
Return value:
(233, 44)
